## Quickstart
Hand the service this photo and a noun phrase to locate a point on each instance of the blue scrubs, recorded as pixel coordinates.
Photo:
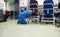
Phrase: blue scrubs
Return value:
(22, 16)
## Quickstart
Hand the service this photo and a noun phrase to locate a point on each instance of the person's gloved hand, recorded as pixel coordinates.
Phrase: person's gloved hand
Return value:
(30, 11)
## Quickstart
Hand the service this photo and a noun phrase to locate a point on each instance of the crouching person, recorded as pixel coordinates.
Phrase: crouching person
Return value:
(22, 17)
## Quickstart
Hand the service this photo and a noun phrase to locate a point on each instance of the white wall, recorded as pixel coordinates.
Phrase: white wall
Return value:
(40, 2)
(55, 1)
(1, 1)
(23, 3)
(10, 5)
(58, 0)
(1, 4)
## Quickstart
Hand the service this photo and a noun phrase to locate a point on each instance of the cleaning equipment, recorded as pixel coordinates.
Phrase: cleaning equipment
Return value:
(57, 21)
(23, 16)
(57, 24)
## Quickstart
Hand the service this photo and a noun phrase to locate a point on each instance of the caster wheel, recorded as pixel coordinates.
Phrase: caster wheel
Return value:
(57, 25)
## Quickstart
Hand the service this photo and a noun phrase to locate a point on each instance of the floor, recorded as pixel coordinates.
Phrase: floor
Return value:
(11, 29)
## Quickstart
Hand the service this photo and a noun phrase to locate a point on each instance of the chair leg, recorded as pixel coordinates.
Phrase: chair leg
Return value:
(54, 20)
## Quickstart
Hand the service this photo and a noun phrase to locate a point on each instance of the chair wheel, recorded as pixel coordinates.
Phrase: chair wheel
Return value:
(57, 25)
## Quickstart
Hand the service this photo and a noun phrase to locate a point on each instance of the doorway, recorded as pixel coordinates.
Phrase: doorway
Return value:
(12, 8)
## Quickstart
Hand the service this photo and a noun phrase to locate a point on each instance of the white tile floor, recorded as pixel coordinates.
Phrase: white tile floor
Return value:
(11, 29)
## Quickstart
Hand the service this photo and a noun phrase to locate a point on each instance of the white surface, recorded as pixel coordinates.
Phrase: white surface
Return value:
(23, 3)
(11, 29)
(40, 2)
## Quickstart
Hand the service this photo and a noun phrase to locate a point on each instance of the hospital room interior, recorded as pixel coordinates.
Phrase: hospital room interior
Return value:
(29, 18)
